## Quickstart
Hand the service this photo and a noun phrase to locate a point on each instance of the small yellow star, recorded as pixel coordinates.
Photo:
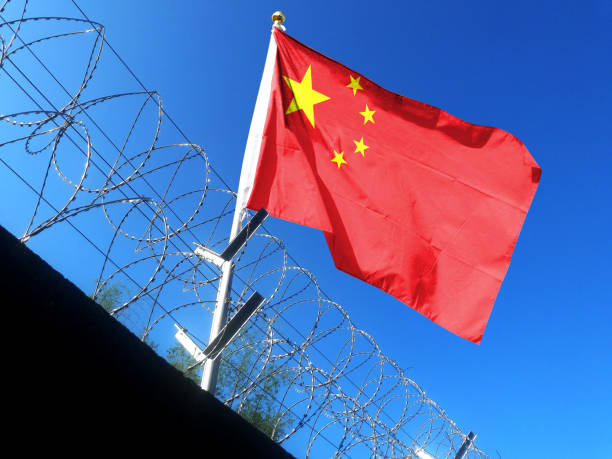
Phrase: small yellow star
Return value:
(354, 84)
(304, 97)
(368, 115)
(339, 158)
(360, 147)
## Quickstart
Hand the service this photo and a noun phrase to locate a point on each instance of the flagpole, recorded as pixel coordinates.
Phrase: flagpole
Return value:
(251, 155)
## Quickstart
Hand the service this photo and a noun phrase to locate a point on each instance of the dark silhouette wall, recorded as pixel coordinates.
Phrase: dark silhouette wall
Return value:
(80, 383)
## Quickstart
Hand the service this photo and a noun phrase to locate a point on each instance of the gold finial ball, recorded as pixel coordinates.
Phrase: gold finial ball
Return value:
(278, 17)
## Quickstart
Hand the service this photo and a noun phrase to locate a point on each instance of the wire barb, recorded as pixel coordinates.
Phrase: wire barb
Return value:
(99, 167)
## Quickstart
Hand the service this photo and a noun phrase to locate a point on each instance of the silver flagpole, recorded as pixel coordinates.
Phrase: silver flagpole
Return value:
(211, 366)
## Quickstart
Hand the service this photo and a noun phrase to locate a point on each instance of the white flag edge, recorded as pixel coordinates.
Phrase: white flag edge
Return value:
(258, 123)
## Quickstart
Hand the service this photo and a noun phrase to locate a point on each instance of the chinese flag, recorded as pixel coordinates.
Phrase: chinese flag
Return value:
(411, 199)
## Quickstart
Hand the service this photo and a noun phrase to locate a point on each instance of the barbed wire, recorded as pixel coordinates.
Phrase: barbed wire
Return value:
(335, 393)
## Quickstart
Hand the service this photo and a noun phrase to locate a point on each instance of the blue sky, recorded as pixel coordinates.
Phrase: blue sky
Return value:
(539, 384)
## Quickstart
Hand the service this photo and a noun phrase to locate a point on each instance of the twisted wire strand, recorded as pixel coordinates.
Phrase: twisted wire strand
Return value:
(332, 387)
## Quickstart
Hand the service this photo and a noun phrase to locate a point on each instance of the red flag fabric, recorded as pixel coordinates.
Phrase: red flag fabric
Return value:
(411, 199)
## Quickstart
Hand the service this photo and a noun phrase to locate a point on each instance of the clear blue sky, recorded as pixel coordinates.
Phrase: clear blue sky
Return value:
(539, 384)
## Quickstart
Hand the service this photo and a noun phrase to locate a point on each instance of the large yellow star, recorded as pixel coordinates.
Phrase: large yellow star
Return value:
(354, 84)
(339, 158)
(360, 147)
(368, 115)
(304, 97)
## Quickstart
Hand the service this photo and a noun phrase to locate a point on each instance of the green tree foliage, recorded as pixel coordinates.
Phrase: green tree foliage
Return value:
(180, 359)
(259, 407)
(111, 296)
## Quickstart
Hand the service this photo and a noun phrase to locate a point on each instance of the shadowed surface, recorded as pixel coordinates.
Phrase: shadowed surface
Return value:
(97, 378)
